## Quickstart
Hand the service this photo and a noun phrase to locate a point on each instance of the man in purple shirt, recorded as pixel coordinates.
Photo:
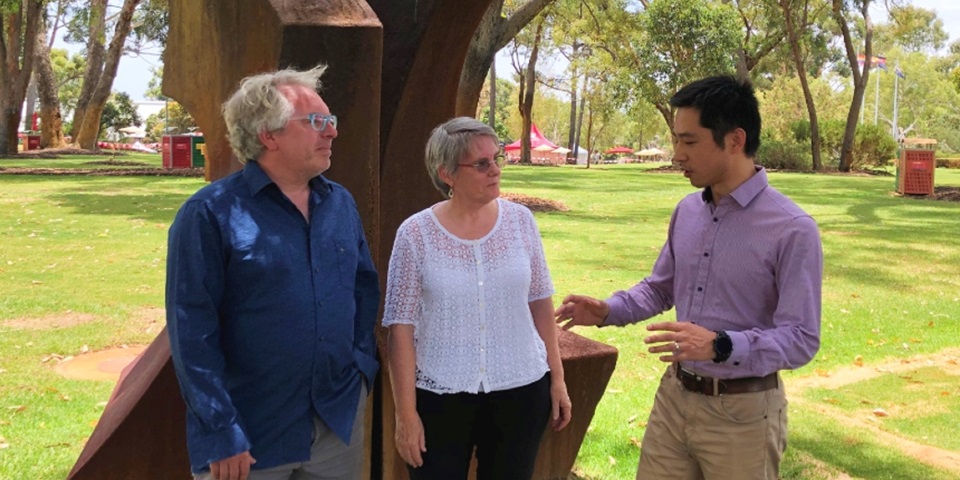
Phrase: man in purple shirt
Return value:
(743, 266)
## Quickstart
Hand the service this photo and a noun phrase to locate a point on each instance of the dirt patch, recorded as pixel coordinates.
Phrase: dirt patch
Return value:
(151, 319)
(536, 204)
(115, 172)
(118, 163)
(54, 153)
(104, 365)
(947, 194)
(146, 319)
(947, 360)
(49, 322)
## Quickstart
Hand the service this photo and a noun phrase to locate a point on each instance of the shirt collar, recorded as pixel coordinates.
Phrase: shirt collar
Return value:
(747, 191)
(257, 179)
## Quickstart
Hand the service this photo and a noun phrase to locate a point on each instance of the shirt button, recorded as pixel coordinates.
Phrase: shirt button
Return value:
(715, 219)
(706, 254)
(480, 283)
(699, 289)
(481, 349)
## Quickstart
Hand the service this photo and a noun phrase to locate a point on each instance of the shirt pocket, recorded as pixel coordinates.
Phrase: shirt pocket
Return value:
(347, 258)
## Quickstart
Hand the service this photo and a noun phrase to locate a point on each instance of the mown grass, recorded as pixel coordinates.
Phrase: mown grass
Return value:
(96, 246)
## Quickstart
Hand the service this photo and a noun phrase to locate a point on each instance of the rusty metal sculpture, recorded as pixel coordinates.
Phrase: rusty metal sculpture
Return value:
(394, 72)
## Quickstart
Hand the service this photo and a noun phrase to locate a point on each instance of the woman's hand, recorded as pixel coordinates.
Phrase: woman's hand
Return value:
(410, 439)
(562, 409)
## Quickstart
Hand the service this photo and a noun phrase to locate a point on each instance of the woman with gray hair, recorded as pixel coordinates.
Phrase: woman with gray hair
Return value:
(473, 352)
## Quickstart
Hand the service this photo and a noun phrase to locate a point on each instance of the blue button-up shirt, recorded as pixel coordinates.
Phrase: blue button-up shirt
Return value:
(271, 318)
(750, 265)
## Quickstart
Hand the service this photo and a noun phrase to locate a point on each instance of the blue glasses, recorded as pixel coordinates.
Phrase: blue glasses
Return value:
(319, 121)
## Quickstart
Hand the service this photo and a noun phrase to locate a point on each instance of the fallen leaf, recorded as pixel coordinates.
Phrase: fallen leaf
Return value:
(613, 461)
(84, 349)
(822, 373)
(634, 441)
(930, 324)
(631, 419)
(855, 295)
(870, 342)
(944, 394)
(916, 340)
(858, 360)
(612, 390)
(906, 346)
(866, 402)
(844, 310)
(3, 370)
(879, 412)
(17, 408)
(831, 400)
(4, 443)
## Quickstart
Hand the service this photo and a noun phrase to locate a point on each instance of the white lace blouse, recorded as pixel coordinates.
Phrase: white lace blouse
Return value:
(468, 301)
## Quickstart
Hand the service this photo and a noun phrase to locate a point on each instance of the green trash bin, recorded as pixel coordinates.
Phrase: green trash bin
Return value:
(199, 151)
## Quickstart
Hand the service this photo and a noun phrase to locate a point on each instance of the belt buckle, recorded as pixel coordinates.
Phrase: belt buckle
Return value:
(714, 382)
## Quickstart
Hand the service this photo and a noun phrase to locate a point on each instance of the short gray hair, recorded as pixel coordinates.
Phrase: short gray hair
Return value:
(449, 143)
(258, 106)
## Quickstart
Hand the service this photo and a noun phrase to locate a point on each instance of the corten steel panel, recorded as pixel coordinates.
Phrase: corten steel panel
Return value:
(425, 43)
(140, 432)
(212, 45)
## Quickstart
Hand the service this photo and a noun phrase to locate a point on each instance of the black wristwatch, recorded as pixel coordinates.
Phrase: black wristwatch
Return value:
(722, 347)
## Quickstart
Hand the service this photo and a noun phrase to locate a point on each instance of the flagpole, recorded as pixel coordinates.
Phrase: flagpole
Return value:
(876, 101)
(896, 90)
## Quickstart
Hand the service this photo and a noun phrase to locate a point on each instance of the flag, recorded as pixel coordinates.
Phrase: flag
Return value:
(900, 73)
(878, 61)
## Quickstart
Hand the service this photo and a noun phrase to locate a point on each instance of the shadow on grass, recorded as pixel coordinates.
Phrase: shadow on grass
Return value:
(859, 457)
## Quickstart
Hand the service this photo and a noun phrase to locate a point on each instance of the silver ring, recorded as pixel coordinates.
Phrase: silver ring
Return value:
(676, 347)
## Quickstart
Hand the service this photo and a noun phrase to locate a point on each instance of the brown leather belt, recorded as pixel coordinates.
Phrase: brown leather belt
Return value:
(715, 386)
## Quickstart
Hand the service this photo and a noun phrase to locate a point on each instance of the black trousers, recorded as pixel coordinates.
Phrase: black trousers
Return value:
(505, 427)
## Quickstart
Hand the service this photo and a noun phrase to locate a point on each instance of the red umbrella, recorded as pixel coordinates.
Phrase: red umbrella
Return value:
(619, 150)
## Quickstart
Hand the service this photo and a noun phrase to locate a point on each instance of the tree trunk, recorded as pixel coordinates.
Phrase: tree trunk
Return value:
(576, 143)
(492, 116)
(51, 121)
(859, 79)
(572, 133)
(90, 128)
(492, 34)
(95, 53)
(802, 74)
(526, 104)
(589, 138)
(666, 111)
(20, 26)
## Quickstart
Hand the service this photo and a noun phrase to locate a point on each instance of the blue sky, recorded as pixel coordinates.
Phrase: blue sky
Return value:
(134, 73)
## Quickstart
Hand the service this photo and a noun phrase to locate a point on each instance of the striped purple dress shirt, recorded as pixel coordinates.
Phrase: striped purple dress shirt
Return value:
(752, 265)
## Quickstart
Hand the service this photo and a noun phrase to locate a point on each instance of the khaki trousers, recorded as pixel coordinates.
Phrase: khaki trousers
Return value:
(690, 436)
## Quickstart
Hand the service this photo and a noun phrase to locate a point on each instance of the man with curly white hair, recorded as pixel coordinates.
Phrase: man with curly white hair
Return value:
(272, 297)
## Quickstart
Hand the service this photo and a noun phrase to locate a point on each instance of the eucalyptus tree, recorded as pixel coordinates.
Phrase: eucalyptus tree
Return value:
(847, 13)
(51, 118)
(799, 16)
(88, 130)
(502, 22)
(668, 44)
(19, 27)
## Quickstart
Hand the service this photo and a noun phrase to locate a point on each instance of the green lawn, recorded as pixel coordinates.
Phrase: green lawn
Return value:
(82, 265)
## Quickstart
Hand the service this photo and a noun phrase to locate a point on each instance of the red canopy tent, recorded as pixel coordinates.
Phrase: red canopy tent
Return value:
(537, 140)
(619, 150)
